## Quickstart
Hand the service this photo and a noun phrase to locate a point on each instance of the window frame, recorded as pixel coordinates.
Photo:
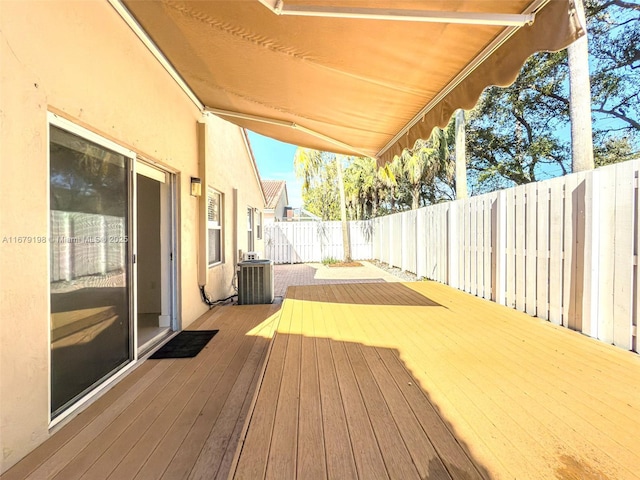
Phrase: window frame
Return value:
(258, 222)
(213, 225)
(250, 230)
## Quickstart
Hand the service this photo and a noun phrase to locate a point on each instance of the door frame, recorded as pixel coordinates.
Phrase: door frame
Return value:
(168, 232)
(103, 383)
(172, 179)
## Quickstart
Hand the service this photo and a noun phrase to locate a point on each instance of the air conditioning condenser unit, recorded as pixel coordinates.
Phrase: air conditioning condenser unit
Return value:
(255, 282)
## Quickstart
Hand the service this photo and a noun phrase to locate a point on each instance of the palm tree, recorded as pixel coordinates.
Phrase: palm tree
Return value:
(362, 185)
(386, 184)
(308, 165)
(346, 242)
(423, 163)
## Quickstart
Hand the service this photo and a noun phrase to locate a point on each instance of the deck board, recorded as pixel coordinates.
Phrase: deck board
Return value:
(154, 454)
(311, 453)
(422, 451)
(221, 441)
(284, 445)
(378, 380)
(141, 429)
(138, 426)
(202, 412)
(258, 440)
(419, 380)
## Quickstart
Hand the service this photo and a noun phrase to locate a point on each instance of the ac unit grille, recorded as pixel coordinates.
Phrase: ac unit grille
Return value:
(255, 282)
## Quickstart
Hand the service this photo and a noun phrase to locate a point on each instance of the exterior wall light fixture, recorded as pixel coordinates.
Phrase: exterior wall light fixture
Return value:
(196, 187)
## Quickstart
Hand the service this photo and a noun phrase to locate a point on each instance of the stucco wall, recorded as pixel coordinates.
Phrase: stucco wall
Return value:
(82, 62)
(229, 167)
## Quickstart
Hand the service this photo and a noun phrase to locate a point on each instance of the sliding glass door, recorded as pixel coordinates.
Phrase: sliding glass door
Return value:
(91, 334)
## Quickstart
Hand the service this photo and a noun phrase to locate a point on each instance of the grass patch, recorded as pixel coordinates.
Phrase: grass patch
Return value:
(334, 262)
(330, 261)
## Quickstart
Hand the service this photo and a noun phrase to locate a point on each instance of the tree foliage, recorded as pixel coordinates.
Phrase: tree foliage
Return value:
(320, 193)
(520, 134)
(512, 133)
(515, 135)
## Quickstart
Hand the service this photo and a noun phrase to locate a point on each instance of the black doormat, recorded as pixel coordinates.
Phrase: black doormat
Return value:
(186, 344)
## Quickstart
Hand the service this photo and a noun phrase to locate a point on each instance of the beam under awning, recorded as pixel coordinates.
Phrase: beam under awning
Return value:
(394, 14)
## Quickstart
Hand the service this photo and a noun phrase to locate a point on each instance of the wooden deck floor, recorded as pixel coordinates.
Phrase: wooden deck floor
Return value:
(376, 380)
(421, 381)
(170, 419)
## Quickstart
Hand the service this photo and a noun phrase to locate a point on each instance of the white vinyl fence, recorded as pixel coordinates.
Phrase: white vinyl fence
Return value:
(84, 244)
(564, 249)
(300, 242)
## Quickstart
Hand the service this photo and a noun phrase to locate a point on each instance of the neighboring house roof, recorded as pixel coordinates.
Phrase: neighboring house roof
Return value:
(273, 190)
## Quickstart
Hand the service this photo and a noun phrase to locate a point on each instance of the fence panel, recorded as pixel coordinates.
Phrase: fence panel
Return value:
(636, 262)
(409, 239)
(476, 231)
(467, 228)
(565, 250)
(443, 242)
(421, 244)
(510, 250)
(531, 247)
(556, 249)
(542, 252)
(624, 255)
(489, 261)
(395, 250)
(361, 239)
(570, 311)
(385, 240)
(299, 242)
(82, 245)
(520, 235)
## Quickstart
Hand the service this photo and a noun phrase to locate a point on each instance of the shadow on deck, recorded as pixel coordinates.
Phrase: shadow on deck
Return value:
(450, 387)
(168, 418)
(374, 380)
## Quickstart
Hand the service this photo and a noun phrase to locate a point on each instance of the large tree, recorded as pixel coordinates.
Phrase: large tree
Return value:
(512, 133)
(319, 183)
(518, 134)
(523, 133)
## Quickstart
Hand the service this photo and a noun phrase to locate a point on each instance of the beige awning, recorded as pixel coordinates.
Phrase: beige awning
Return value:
(350, 76)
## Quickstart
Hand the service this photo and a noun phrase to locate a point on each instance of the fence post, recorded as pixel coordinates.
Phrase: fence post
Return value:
(453, 244)
(499, 248)
(591, 255)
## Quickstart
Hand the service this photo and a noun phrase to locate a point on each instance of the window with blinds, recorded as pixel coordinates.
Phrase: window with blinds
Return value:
(214, 226)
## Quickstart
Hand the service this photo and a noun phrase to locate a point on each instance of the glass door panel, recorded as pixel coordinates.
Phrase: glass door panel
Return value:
(89, 279)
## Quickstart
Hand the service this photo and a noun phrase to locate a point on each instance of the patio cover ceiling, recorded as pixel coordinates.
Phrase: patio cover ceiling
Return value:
(370, 84)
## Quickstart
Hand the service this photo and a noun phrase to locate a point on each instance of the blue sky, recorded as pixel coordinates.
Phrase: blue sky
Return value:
(275, 162)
